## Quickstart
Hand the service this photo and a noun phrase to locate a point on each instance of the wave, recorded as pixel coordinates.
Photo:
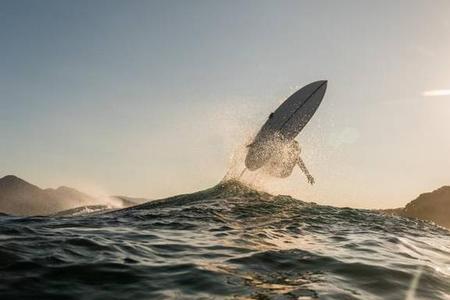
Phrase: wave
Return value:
(229, 241)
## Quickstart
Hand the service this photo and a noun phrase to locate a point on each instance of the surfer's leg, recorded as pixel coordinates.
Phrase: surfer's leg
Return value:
(305, 171)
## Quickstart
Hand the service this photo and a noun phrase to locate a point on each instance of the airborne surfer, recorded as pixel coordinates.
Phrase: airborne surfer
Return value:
(284, 159)
(274, 150)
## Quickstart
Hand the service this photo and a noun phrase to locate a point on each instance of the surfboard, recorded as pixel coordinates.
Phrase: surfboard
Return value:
(285, 123)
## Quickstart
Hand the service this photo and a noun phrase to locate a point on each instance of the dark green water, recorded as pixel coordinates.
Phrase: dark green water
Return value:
(226, 242)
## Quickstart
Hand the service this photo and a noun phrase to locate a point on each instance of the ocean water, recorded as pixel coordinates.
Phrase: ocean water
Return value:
(227, 242)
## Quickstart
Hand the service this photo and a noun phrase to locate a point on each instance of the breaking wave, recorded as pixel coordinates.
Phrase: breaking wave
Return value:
(229, 241)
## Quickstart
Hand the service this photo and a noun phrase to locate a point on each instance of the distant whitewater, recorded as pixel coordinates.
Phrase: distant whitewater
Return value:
(229, 242)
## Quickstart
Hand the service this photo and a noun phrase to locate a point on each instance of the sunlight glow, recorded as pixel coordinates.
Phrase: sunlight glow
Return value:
(414, 285)
(434, 93)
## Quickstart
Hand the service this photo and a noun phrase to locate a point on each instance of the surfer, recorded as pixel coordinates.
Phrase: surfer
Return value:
(274, 149)
(284, 159)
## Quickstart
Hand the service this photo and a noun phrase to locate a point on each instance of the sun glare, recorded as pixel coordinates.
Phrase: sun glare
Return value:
(435, 93)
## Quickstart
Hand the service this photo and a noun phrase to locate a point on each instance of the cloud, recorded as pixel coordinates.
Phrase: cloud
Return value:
(435, 93)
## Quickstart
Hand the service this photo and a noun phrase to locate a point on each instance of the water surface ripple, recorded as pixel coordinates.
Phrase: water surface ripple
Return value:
(227, 242)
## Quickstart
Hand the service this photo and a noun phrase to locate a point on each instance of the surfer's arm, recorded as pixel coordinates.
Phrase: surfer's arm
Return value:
(302, 166)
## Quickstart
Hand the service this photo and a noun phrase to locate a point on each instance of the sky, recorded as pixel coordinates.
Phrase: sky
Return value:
(152, 98)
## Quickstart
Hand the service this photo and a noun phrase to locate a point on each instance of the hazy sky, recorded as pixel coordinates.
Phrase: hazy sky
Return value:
(151, 98)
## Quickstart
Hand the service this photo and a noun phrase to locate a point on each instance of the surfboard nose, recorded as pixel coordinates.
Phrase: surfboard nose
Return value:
(320, 83)
(323, 83)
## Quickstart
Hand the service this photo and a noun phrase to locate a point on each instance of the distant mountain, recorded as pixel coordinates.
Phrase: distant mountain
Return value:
(433, 206)
(18, 197)
(69, 194)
